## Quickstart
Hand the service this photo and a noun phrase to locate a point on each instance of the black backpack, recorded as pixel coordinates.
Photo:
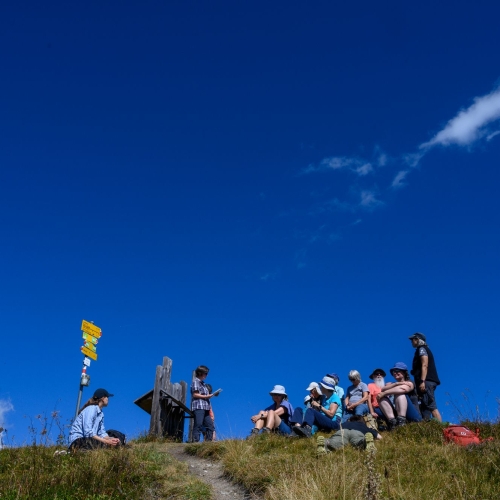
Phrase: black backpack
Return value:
(117, 434)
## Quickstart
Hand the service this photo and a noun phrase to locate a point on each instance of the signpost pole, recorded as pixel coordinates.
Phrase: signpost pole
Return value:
(83, 377)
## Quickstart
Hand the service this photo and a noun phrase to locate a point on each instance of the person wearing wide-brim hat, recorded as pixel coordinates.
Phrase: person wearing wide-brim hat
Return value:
(276, 417)
(325, 415)
(374, 388)
(402, 410)
(87, 431)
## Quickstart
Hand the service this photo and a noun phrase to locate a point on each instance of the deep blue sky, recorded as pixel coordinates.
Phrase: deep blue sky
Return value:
(217, 182)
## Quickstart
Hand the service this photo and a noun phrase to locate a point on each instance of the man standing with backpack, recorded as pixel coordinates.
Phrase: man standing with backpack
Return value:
(426, 377)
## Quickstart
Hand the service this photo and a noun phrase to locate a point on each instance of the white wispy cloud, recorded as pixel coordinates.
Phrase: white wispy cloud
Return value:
(470, 124)
(398, 180)
(493, 134)
(5, 407)
(357, 165)
(368, 199)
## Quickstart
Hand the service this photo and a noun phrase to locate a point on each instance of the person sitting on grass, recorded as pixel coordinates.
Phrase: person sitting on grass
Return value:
(325, 415)
(401, 410)
(87, 431)
(276, 417)
(315, 394)
(338, 390)
(353, 432)
(375, 387)
(356, 400)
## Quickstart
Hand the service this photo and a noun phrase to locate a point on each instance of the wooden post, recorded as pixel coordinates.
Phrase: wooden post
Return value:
(155, 407)
(166, 404)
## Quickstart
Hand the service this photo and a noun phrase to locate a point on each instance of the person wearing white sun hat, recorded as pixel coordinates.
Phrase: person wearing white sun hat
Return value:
(276, 417)
(325, 415)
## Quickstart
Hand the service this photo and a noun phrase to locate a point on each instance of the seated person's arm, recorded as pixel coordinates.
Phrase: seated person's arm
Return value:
(396, 389)
(331, 410)
(281, 411)
(262, 414)
(364, 399)
(370, 407)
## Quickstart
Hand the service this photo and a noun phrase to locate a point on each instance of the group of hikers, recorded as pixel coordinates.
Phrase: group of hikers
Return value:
(329, 408)
(326, 408)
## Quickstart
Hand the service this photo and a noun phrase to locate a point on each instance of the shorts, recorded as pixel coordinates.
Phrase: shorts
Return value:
(283, 429)
(427, 399)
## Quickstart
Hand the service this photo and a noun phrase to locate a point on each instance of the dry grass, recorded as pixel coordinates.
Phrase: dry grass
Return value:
(411, 463)
(137, 472)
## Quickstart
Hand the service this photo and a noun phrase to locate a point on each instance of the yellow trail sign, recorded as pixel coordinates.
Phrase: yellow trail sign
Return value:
(88, 353)
(95, 331)
(90, 346)
(89, 338)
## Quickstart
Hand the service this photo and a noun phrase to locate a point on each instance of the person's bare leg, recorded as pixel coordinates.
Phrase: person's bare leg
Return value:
(437, 415)
(386, 408)
(401, 404)
(260, 423)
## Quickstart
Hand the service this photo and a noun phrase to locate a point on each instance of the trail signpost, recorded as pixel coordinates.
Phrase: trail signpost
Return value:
(91, 334)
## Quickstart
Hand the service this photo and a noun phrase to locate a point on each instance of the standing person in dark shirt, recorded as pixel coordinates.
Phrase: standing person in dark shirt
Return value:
(426, 377)
(200, 405)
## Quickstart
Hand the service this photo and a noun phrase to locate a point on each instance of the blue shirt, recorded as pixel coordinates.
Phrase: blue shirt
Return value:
(89, 423)
(288, 410)
(334, 399)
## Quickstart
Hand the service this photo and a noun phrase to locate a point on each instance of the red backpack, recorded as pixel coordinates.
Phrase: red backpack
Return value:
(461, 435)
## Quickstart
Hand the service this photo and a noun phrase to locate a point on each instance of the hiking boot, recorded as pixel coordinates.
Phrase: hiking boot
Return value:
(303, 431)
(401, 421)
(370, 445)
(320, 446)
(253, 433)
(265, 430)
(392, 424)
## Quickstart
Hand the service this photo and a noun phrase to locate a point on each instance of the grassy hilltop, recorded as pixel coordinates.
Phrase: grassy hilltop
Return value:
(411, 463)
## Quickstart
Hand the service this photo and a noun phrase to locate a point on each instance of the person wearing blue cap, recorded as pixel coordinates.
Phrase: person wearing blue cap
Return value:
(87, 431)
(324, 414)
(402, 409)
(426, 377)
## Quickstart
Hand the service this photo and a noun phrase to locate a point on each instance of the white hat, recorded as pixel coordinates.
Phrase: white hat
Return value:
(315, 385)
(279, 389)
(328, 383)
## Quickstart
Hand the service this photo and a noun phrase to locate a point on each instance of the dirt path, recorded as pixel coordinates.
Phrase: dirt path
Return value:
(211, 473)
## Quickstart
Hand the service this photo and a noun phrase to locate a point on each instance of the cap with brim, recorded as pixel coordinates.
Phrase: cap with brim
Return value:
(418, 335)
(399, 366)
(334, 376)
(102, 393)
(328, 383)
(314, 385)
(279, 389)
(377, 370)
